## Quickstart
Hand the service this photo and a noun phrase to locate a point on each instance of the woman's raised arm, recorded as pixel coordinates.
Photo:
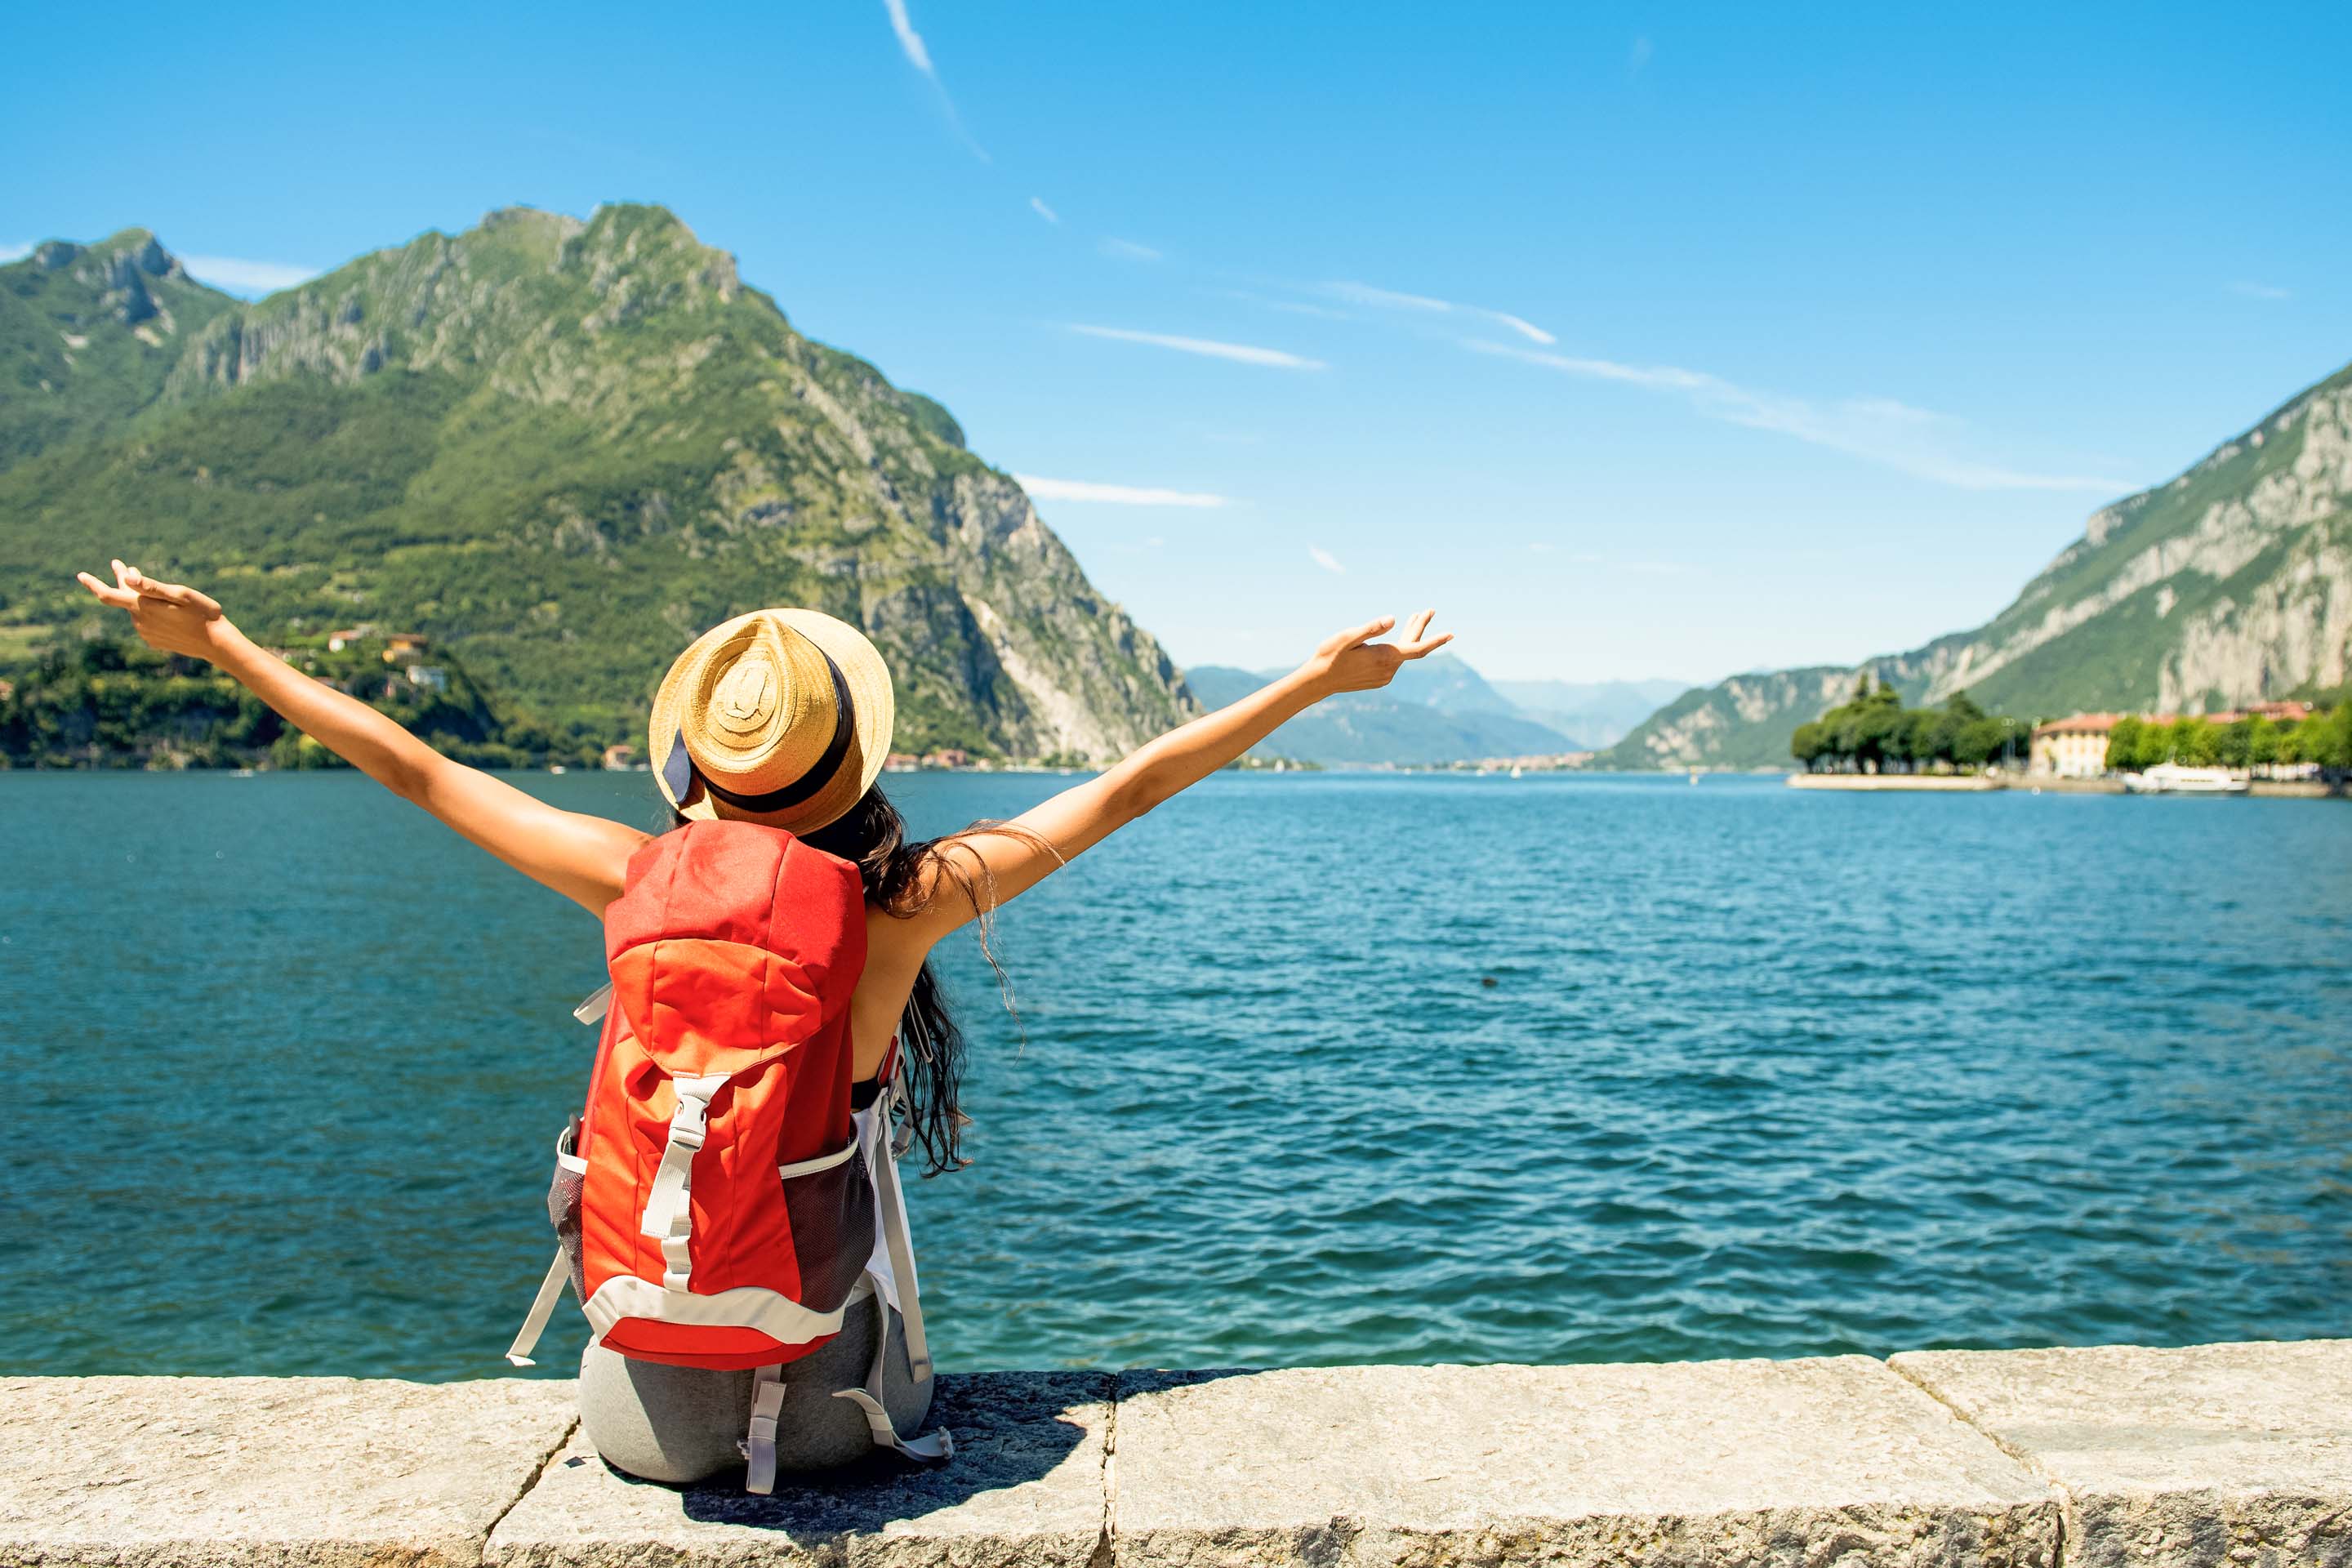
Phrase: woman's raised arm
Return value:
(988, 866)
(582, 856)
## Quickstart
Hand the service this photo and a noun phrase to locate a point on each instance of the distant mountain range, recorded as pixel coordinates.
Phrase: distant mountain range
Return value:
(2230, 583)
(1593, 714)
(561, 448)
(1442, 711)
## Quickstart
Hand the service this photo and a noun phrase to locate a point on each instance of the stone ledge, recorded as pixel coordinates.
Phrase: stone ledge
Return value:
(327, 1472)
(2237, 1454)
(1694, 1463)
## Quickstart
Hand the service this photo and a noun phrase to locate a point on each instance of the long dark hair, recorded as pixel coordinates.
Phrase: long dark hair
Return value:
(901, 879)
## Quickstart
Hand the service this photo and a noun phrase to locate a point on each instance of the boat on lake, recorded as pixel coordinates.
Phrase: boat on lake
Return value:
(2172, 778)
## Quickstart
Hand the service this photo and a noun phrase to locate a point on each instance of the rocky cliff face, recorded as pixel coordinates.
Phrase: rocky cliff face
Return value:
(89, 333)
(2230, 583)
(572, 445)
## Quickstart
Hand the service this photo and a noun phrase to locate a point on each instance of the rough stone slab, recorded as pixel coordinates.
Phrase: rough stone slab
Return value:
(1025, 1488)
(188, 1472)
(1831, 1461)
(2237, 1454)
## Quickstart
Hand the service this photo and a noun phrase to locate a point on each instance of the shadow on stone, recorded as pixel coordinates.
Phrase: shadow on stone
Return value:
(1028, 1467)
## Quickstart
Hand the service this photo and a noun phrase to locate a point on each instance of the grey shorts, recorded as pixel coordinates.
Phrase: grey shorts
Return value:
(682, 1423)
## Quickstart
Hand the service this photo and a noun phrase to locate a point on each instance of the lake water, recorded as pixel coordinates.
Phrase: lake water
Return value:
(1316, 1070)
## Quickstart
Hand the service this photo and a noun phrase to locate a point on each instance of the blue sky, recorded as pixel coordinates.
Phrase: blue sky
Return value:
(1640, 340)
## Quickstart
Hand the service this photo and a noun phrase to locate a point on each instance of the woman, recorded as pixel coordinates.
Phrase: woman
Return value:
(781, 718)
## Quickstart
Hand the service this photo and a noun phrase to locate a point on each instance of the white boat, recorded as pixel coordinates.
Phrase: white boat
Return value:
(556, 768)
(1514, 770)
(2172, 778)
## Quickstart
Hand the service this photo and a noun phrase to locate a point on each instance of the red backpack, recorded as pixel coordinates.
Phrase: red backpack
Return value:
(718, 1205)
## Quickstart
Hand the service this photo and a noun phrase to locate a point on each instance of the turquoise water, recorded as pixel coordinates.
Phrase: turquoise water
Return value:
(1316, 1068)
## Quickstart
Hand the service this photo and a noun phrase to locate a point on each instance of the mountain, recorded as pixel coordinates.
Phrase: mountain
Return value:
(1590, 713)
(560, 448)
(2230, 583)
(1444, 681)
(1437, 710)
(89, 334)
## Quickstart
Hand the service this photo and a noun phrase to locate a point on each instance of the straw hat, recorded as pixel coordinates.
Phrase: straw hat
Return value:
(781, 717)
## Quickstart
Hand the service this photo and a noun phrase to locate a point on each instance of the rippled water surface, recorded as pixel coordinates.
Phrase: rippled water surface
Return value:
(1316, 1068)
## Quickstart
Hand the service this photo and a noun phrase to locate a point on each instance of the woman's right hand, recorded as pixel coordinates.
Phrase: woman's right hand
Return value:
(1351, 661)
(170, 616)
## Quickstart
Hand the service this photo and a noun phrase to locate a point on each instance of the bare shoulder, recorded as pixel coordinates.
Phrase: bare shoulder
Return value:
(607, 839)
(894, 944)
(604, 849)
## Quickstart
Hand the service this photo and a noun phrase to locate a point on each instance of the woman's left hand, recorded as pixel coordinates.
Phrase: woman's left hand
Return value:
(1351, 661)
(167, 615)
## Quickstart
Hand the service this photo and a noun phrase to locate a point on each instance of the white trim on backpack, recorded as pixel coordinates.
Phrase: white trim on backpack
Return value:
(770, 1313)
(595, 1004)
(821, 1163)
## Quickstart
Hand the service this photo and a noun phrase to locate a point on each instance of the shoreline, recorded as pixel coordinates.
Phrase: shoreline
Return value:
(1856, 783)
(2038, 784)
(2205, 1455)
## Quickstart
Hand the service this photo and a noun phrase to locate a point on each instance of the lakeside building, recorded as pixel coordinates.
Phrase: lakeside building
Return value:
(2075, 747)
(1543, 763)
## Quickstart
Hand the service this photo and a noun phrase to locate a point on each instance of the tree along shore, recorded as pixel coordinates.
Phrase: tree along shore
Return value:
(2249, 742)
(1874, 732)
(105, 703)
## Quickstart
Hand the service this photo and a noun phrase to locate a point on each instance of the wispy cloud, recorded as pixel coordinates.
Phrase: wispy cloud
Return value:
(1042, 489)
(1325, 559)
(1244, 354)
(910, 43)
(239, 276)
(1390, 300)
(16, 252)
(2261, 291)
(1387, 299)
(1638, 567)
(1914, 441)
(909, 39)
(1037, 205)
(1290, 306)
(1526, 329)
(1639, 56)
(1127, 249)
